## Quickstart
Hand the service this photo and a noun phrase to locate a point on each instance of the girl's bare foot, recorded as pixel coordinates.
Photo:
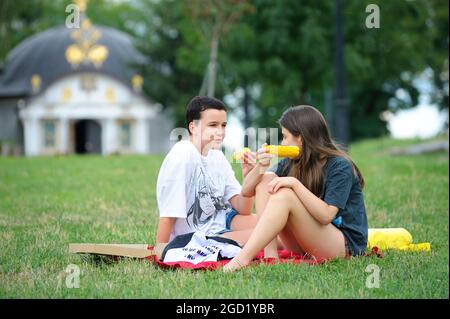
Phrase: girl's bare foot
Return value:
(271, 250)
(234, 265)
(271, 253)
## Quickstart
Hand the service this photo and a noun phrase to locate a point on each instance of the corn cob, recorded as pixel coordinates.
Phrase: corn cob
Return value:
(284, 151)
(238, 155)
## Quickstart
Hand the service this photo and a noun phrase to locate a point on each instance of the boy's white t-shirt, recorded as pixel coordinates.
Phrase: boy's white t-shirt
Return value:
(195, 189)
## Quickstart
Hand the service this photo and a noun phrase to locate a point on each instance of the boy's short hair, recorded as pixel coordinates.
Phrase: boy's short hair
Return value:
(199, 104)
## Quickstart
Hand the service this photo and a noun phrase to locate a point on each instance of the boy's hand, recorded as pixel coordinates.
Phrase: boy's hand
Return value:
(159, 248)
(248, 162)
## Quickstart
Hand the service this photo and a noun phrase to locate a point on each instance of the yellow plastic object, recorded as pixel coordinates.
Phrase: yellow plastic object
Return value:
(417, 247)
(394, 238)
(284, 151)
(238, 155)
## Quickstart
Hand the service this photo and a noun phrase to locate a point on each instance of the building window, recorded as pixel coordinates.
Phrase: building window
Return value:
(125, 134)
(49, 133)
(88, 82)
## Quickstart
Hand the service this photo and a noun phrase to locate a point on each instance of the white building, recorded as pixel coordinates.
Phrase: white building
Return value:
(65, 91)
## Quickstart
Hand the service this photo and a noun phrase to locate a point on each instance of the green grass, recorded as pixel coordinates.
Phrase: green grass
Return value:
(48, 202)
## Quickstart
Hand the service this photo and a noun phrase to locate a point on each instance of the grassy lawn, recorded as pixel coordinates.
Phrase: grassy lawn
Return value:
(48, 202)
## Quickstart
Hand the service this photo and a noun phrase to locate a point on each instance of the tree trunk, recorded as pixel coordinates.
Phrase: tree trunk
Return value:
(246, 113)
(341, 114)
(213, 63)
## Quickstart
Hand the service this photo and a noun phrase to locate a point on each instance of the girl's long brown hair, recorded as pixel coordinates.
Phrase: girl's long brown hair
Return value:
(308, 123)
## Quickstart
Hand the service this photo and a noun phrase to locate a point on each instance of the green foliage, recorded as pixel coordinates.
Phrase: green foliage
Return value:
(286, 48)
(176, 56)
(21, 18)
(295, 41)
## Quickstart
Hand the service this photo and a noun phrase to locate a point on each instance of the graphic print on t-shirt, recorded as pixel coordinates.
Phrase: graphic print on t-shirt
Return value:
(207, 202)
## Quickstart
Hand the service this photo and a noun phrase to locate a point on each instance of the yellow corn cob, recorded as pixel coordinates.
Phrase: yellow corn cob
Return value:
(284, 151)
(238, 155)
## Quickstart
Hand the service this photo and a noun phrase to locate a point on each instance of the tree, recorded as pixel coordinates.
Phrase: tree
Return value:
(280, 53)
(283, 50)
(21, 18)
(437, 58)
(214, 18)
(176, 56)
(295, 41)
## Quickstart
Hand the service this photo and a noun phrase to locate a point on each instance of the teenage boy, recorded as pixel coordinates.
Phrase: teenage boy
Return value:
(197, 188)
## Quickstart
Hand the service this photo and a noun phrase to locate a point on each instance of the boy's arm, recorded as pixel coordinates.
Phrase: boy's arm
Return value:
(253, 177)
(165, 227)
(242, 204)
(252, 180)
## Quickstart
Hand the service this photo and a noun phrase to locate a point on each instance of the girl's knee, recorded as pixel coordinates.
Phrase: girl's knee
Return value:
(265, 180)
(286, 194)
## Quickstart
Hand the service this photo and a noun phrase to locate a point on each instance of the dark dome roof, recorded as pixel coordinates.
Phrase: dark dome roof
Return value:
(44, 54)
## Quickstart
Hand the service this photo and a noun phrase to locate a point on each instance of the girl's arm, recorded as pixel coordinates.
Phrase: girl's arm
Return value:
(318, 209)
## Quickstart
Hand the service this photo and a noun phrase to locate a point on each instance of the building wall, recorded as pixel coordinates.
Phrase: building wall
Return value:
(108, 102)
(9, 121)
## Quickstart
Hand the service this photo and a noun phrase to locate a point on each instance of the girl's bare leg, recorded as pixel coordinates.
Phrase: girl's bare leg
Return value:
(285, 208)
(289, 241)
(285, 240)
(261, 197)
(242, 225)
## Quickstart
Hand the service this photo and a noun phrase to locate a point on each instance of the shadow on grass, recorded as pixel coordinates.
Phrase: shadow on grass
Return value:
(104, 260)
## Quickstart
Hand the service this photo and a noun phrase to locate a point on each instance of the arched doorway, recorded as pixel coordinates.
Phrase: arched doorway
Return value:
(88, 137)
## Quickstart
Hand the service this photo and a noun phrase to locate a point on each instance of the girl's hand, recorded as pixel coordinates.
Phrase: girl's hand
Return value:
(264, 157)
(279, 182)
(248, 162)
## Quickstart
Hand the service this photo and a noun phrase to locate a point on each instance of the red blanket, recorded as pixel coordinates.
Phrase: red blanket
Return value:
(285, 257)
